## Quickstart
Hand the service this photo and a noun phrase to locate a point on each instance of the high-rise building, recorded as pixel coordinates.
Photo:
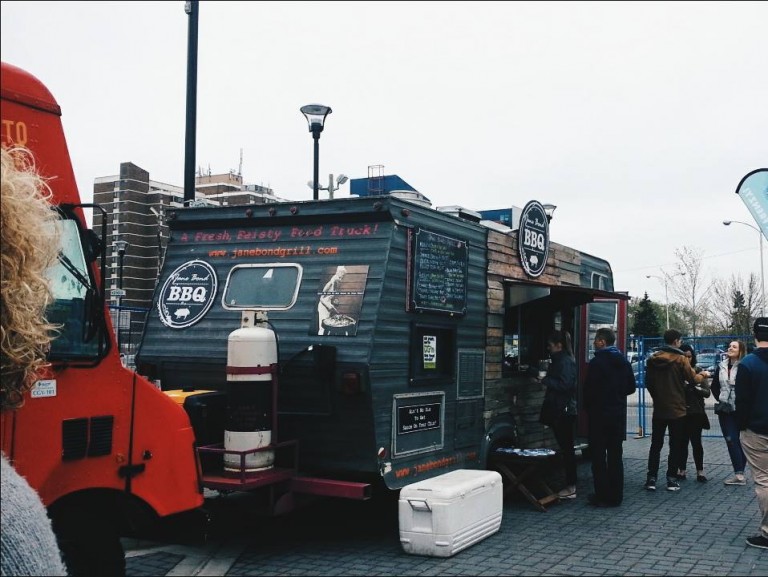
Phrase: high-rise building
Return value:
(136, 208)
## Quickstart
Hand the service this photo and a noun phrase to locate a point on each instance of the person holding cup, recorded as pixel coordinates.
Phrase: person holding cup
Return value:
(558, 410)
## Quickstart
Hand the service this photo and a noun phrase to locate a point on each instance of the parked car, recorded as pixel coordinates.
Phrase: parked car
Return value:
(708, 361)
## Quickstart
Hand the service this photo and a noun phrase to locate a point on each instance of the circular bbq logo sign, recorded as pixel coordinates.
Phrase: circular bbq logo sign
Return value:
(187, 294)
(533, 238)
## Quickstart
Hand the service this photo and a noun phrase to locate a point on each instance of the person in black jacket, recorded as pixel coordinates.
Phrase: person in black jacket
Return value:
(696, 420)
(608, 382)
(560, 395)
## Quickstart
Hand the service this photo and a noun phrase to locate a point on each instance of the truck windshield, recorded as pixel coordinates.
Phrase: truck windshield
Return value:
(268, 286)
(72, 291)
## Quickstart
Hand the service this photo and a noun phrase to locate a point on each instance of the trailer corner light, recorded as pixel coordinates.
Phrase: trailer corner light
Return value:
(381, 453)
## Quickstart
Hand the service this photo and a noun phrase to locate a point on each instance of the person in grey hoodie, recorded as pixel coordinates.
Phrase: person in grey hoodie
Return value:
(752, 419)
(667, 372)
(608, 382)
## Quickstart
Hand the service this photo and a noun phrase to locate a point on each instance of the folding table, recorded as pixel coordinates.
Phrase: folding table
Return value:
(523, 469)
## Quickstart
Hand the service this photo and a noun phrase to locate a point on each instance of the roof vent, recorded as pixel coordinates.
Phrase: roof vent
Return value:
(461, 212)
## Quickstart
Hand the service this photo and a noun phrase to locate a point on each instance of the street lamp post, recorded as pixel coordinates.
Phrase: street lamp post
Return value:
(665, 279)
(315, 114)
(762, 273)
(120, 245)
(342, 178)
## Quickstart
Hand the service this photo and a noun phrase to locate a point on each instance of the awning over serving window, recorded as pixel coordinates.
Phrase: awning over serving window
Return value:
(520, 292)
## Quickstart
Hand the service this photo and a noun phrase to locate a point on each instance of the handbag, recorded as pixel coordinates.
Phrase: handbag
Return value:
(725, 407)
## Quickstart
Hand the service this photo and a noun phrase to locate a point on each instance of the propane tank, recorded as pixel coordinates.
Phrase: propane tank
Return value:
(251, 356)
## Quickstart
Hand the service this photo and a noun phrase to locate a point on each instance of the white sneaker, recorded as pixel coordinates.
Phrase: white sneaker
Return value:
(567, 493)
(736, 480)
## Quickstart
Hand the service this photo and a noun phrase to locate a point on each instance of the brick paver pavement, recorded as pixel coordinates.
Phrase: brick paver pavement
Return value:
(700, 530)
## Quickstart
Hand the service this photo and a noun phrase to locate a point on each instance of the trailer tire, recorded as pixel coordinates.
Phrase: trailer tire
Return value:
(90, 546)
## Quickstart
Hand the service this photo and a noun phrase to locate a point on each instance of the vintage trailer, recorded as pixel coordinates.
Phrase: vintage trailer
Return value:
(405, 336)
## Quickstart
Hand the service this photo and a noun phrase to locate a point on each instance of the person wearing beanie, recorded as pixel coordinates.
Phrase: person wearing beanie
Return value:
(752, 419)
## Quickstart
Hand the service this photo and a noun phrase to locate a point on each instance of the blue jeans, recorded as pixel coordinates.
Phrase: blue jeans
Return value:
(731, 435)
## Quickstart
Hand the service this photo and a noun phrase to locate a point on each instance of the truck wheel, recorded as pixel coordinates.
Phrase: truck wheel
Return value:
(90, 547)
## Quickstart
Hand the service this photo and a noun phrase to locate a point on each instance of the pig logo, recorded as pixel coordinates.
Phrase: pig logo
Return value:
(188, 293)
(181, 313)
(534, 260)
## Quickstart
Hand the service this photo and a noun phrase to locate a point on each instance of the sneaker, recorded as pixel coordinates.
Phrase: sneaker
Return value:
(673, 485)
(701, 478)
(736, 480)
(650, 485)
(758, 541)
(567, 493)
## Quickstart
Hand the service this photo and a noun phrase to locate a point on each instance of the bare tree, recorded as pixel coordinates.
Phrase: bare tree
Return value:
(724, 312)
(690, 289)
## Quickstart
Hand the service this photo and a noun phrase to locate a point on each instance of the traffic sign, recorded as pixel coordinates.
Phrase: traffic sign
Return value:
(117, 292)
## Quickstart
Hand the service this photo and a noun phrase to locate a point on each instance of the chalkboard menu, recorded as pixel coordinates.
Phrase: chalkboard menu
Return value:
(439, 273)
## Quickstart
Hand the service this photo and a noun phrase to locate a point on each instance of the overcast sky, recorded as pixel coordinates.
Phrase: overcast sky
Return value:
(638, 120)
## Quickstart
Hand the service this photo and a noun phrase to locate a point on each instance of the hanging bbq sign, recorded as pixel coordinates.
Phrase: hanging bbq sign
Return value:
(533, 238)
(187, 294)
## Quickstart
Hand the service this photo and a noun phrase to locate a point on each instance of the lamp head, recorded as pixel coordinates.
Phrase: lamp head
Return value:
(341, 179)
(121, 245)
(549, 210)
(727, 222)
(315, 114)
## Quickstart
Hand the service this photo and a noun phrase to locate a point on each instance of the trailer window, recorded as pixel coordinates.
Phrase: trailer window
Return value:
(599, 315)
(265, 286)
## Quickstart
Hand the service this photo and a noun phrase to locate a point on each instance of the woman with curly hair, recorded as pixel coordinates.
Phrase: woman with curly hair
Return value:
(29, 240)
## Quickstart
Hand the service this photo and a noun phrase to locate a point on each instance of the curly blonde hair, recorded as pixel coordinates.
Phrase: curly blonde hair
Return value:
(29, 241)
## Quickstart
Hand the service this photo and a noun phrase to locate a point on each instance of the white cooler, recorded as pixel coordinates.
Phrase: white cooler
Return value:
(445, 514)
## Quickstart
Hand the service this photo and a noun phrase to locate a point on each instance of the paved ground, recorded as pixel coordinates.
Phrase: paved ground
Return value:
(699, 530)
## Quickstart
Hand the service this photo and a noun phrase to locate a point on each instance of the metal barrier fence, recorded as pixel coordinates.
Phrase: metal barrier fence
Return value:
(128, 323)
(709, 349)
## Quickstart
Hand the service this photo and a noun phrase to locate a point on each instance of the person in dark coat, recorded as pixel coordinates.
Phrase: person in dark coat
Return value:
(752, 420)
(608, 382)
(696, 420)
(560, 395)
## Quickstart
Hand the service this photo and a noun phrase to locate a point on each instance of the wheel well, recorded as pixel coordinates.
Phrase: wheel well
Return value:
(127, 514)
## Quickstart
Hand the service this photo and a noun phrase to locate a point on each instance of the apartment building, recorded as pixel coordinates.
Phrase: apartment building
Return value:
(136, 209)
